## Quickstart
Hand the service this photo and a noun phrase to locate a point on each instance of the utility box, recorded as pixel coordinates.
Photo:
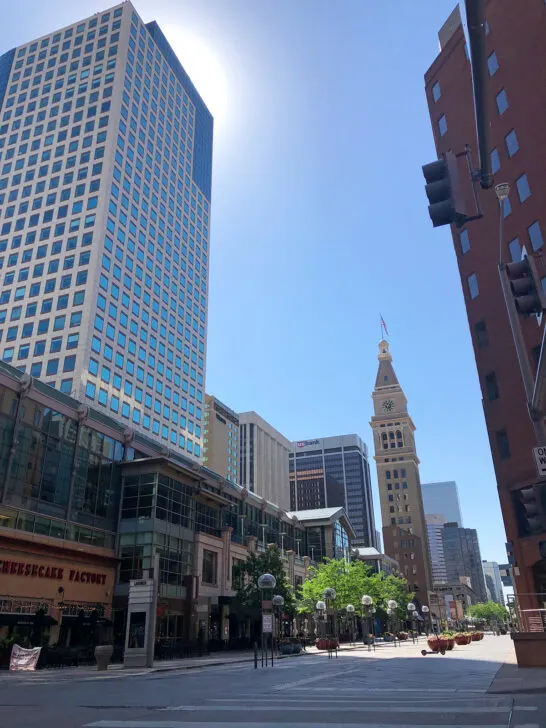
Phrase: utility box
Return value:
(140, 631)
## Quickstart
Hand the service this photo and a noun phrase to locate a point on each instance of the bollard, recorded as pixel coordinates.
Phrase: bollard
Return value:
(255, 655)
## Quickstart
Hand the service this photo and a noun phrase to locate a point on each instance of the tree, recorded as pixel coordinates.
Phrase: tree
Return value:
(248, 596)
(352, 581)
(488, 611)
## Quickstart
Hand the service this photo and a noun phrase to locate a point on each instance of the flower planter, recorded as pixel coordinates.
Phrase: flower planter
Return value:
(437, 644)
(451, 643)
(388, 638)
(402, 636)
(475, 637)
(462, 639)
(324, 643)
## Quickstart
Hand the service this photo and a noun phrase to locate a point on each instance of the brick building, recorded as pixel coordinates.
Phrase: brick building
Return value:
(515, 36)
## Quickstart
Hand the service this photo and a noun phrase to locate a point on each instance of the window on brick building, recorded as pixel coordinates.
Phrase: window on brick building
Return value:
(482, 339)
(535, 236)
(472, 282)
(491, 386)
(502, 101)
(512, 144)
(503, 445)
(464, 241)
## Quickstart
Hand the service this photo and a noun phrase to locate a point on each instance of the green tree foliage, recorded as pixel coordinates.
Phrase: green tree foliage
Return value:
(352, 581)
(489, 612)
(248, 596)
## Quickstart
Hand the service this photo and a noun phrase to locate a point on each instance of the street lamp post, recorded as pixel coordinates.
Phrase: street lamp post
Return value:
(391, 611)
(278, 603)
(351, 614)
(266, 584)
(320, 618)
(411, 615)
(367, 603)
(426, 615)
(282, 535)
(329, 595)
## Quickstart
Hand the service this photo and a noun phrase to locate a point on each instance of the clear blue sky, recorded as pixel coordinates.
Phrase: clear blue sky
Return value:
(320, 222)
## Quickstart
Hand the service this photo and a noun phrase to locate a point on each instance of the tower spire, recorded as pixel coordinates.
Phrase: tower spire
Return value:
(386, 376)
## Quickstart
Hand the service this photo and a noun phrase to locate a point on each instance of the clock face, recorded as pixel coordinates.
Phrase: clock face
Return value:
(388, 405)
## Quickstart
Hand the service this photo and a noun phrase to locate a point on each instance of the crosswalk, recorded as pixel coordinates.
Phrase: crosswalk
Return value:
(293, 708)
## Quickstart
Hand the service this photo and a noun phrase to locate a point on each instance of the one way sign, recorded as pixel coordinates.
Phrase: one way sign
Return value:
(539, 454)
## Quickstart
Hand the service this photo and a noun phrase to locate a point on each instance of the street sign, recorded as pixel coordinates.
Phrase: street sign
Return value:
(539, 453)
(267, 623)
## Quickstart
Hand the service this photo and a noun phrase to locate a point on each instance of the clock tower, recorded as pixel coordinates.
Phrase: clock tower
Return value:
(402, 514)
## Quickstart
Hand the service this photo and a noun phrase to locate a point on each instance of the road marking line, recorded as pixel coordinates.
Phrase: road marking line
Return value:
(361, 708)
(315, 678)
(253, 724)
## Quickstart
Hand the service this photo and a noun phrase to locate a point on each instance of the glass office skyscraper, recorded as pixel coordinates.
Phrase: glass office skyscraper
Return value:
(105, 181)
(334, 471)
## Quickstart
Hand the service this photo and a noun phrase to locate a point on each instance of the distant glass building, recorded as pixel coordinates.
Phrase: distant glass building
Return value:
(435, 527)
(442, 498)
(334, 471)
(105, 185)
(493, 581)
(463, 558)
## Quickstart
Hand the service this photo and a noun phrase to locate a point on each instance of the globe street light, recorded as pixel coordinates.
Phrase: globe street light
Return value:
(278, 601)
(425, 610)
(351, 613)
(367, 603)
(411, 615)
(391, 611)
(329, 595)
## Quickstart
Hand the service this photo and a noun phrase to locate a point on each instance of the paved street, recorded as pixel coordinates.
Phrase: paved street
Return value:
(390, 688)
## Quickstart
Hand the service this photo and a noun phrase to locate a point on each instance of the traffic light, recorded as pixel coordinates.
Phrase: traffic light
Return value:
(444, 192)
(526, 287)
(529, 513)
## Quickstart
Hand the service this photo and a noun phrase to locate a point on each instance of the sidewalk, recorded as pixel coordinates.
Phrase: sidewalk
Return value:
(196, 663)
(511, 679)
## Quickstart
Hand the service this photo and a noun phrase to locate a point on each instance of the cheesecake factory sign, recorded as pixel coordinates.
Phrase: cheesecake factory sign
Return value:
(46, 571)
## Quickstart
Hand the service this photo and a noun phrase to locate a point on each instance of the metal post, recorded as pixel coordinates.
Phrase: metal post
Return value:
(255, 655)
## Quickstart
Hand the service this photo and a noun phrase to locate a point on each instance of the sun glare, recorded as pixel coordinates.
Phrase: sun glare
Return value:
(203, 67)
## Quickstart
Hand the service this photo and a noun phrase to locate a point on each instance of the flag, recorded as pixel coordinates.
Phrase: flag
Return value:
(384, 326)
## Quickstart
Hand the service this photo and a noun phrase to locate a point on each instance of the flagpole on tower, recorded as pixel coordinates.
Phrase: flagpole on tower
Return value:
(384, 330)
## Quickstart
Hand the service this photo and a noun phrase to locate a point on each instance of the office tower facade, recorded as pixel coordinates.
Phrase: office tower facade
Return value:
(221, 439)
(263, 459)
(435, 526)
(462, 557)
(104, 222)
(334, 471)
(493, 581)
(514, 42)
(404, 528)
(442, 498)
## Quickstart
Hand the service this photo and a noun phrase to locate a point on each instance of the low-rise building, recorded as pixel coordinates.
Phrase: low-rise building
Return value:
(378, 561)
(328, 532)
(87, 504)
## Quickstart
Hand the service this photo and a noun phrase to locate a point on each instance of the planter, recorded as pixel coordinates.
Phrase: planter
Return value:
(388, 638)
(402, 636)
(437, 644)
(475, 637)
(103, 655)
(290, 648)
(462, 639)
(451, 643)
